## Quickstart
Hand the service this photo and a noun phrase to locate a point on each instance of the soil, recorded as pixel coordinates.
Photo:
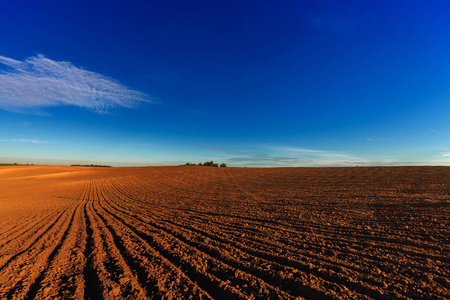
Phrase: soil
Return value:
(224, 233)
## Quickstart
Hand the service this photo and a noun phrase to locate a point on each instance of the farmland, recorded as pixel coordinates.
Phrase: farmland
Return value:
(224, 233)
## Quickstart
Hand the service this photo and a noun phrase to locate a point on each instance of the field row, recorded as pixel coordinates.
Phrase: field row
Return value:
(191, 232)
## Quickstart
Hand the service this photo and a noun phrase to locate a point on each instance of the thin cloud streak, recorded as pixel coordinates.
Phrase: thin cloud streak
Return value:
(33, 141)
(283, 156)
(215, 147)
(39, 82)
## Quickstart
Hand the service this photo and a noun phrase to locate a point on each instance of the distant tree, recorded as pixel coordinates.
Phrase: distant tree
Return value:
(207, 164)
(210, 164)
(223, 165)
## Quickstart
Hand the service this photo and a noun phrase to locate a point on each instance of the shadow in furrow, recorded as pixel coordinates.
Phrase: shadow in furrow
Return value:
(93, 288)
(149, 284)
(205, 282)
(36, 285)
(287, 285)
(32, 243)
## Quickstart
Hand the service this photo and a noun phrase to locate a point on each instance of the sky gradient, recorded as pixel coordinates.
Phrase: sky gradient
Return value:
(247, 83)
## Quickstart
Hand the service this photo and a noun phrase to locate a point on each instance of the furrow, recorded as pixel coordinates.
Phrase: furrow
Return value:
(33, 242)
(93, 288)
(208, 283)
(36, 285)
(117, 277)
(220, 268)
(221, 256)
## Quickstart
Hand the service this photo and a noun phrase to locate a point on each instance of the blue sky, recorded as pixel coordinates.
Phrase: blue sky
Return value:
(248, 83)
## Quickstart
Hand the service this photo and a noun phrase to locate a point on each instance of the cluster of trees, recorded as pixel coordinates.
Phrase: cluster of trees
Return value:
(92, 165)
(207, 164)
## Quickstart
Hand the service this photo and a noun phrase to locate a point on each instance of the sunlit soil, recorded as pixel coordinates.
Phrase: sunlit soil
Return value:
(224, 233)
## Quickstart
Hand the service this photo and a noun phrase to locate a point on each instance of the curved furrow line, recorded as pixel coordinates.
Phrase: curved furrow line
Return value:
(154, 272)
(34, 279)
(400, 240)
(42, 217)
(375, 280)
(336, 248)
(244, 274)
(252, 264)
(240, 233)
(126, 190)
(178, 227)
(34, 241)
(93, 288)
(114, 273)
(297, 246)
(137, 266)
(235, 264)
(22, 282)
(312, 264)
(210, 284)
(20, 229)
(277, 260)
(26, 232)
(272, 228)
(63, 278)
(247, 282)
(36, 285)
(106, 270)
(370, 279)
(334, 236)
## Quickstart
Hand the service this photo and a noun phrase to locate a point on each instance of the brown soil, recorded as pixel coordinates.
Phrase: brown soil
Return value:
(224, 233)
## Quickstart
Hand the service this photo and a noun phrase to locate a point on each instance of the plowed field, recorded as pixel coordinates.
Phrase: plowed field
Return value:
(224, 233)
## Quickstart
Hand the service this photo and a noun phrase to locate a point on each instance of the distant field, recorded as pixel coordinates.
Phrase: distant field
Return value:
(224, 233)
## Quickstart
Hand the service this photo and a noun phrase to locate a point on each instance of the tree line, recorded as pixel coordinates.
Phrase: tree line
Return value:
(207, 164)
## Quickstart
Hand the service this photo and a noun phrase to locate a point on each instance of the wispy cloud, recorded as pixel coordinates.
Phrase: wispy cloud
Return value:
(284, 156)
(305, 151)
(442, 155)
(215, 147)
(377, 139)
(267, 155)
(38, 82)
(33, 141)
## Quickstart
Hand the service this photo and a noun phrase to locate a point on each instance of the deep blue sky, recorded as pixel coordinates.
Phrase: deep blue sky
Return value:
(248, 83)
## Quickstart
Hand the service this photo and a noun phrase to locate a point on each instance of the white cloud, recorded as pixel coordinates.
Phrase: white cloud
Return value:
(285, 156)
(378, 139)
(297, 150)
(38, 82)
(33, 141)
(29, 141)
(447, 154)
